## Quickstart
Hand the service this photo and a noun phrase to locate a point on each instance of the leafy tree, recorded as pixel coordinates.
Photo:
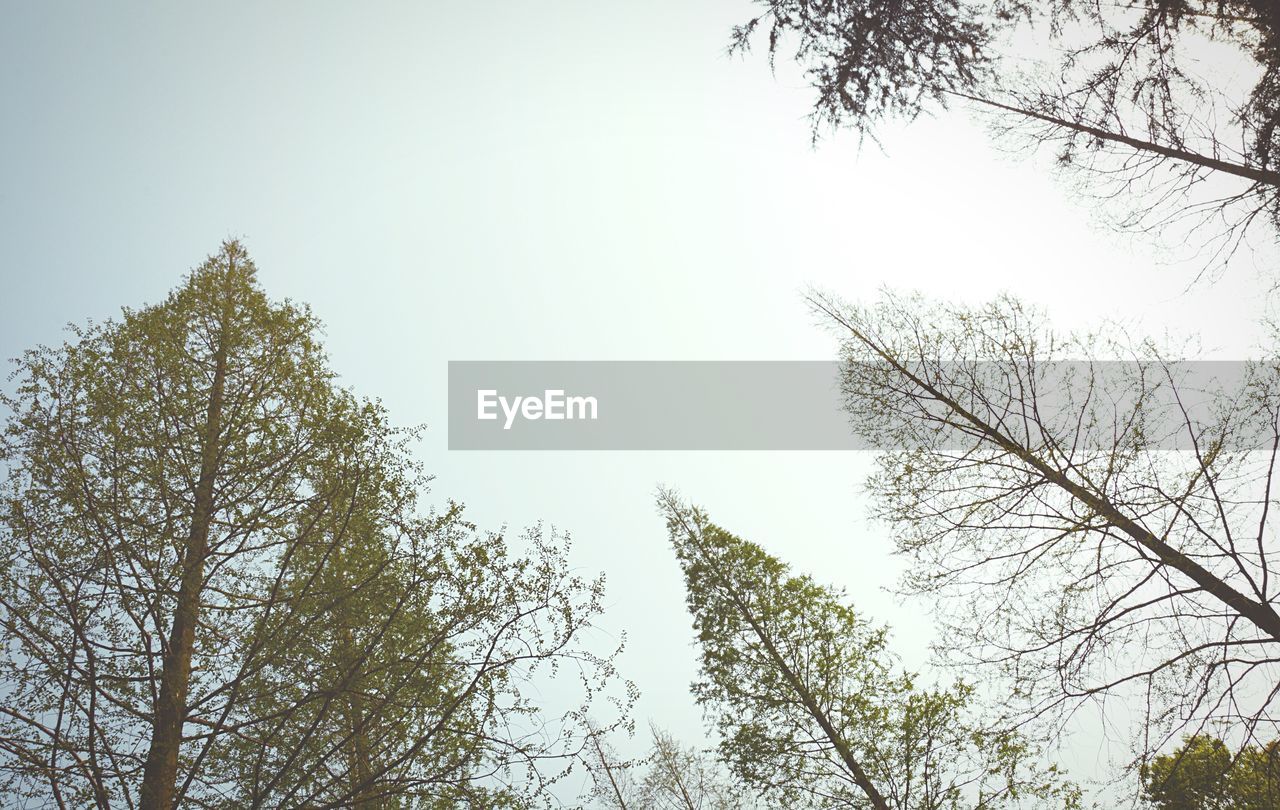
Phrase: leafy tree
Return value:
(214, 580)
(1202, 774)
(399, 683)
(1120, 89)
(1092, 529)
(809, 701)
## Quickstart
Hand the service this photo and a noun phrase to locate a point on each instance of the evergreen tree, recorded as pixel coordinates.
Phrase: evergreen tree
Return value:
(811, 705)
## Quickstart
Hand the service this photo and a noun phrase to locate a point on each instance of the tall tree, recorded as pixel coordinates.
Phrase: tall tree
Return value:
(1093, 529)
(203, 539)
(810, 703)
(1120, 89)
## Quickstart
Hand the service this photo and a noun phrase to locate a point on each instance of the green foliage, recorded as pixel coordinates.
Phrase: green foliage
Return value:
(1203, 774)
(805, 694)
(348, 650)
(104, 449)
(402, 679)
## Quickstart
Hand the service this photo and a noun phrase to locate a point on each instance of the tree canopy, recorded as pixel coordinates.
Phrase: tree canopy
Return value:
(1092, 529)
(1204, 774)
(1124, 91)
(217, 587)
(811, 705)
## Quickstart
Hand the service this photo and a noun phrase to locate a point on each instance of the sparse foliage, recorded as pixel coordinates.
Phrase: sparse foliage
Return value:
(672, 776)
(1093, 529)
(1173, 101)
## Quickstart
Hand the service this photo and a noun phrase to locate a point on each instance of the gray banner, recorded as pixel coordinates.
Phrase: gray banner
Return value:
(788, 405)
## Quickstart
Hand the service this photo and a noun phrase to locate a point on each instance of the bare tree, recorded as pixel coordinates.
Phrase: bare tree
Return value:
(672, 776)
(1093, 529)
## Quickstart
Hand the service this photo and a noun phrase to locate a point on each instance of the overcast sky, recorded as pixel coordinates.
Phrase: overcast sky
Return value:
(552, 180)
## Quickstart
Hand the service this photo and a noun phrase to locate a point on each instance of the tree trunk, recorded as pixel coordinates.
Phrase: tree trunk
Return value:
(363, 793)
(161, 770)
(815, 711)
(860, 777)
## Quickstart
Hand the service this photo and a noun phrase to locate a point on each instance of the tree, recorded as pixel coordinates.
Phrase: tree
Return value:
(683, 778)
(401, 681)
(209, 550)
(809, 701)
(672, 776)
(1203, 774)
(1121, 89)
(1091, 529)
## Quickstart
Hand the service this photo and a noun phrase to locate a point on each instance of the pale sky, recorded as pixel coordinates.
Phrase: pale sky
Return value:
(551, 181)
